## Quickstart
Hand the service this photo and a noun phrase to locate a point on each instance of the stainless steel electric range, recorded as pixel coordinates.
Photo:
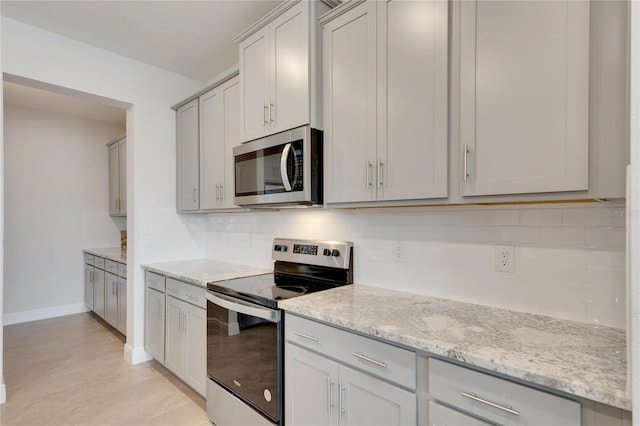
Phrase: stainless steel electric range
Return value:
(245, 329)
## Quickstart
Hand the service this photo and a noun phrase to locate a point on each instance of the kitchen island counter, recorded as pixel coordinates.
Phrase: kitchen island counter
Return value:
(202, 271)
(576, 358)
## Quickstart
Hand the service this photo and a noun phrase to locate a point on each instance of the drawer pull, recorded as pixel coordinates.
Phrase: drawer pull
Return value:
(371, 360)
(489, 403)
(306, 336)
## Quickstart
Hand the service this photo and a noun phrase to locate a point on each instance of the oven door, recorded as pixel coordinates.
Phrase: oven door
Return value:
(245, 352)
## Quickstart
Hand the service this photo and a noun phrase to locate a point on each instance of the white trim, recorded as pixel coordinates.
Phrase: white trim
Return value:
(38, 314)
(3, 394)
(135, 356)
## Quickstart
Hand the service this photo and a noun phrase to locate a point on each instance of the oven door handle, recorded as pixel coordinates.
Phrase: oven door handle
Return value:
(243, 307)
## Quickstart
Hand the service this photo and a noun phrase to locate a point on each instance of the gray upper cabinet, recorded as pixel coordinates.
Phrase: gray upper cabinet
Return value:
(539, 114)
(385, 101)
(117, 155)
(188, 190)
(207, 132)
(524, 96)
(219, 133)
(279, 70)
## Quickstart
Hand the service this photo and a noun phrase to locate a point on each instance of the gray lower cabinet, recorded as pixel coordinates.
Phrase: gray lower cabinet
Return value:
(495, 400)
(333, 377)
(106, 290)
(176, 328)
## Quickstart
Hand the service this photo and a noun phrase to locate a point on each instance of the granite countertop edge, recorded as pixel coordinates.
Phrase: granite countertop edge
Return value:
(616, 398)
(116, 254)
(199, 272)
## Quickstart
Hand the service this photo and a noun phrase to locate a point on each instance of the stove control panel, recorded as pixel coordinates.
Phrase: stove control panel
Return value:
(334, 254)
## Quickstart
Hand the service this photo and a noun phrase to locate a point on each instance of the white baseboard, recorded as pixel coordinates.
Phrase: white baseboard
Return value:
(3, 394)
(38, 314)
(135, 356)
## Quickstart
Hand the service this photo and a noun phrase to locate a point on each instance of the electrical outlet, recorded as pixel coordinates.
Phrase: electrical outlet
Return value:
(396, 254)
(505, 258)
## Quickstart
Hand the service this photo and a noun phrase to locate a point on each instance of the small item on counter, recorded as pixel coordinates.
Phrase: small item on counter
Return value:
(123, 240)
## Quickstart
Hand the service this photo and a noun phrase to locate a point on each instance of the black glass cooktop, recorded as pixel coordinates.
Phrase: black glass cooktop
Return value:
(267, 289)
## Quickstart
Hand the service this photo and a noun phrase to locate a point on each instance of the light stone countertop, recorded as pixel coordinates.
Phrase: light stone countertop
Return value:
(580, 359)
(112, 253)
(202, 271)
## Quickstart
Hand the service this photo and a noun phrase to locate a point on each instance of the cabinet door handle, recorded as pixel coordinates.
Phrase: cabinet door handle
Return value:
(306, 336)
(343, 409)
(371, 360)
(489, 403)
(265, 114)
(221, 192)
(329, 396)
(465, 163)
(380, 168)
(369, 171)
(194, 194)
(271, 108)
(217, 192)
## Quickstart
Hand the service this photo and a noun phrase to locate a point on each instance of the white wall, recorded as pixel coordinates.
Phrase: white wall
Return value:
(569, 259)
(148, 93)
(56, 204)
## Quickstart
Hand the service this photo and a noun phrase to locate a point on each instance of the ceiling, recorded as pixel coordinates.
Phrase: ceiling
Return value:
(191, 38)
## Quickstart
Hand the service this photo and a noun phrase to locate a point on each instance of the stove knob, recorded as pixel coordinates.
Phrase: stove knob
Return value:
(335, 253)
(326, 252)
(276, 248)
(283, 248)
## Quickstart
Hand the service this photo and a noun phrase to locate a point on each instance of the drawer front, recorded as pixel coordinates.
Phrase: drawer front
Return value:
(187, 292)
(439, 415)
(155, 281)
(122, 270)
(99, 262)
(89, 259)
(380, 359)
(111, 266)
(498, 400)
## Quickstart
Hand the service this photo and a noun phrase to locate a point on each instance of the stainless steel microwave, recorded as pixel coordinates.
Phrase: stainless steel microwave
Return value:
(280, 170)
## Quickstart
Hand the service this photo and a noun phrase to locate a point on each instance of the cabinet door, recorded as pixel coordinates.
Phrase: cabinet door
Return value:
(212, 149)
(231, 111)
(122, 305)
(349, 102)
(122, 176)
(254, 85)
(412, 100)
(289, 68)
(154, 324)
(175, 336)
(188, 162)
(368, 401)
(111, 299)
(89, 272)
(311, 388)
(195, 369)
(99, 293)
(524, 96)
(114, 180)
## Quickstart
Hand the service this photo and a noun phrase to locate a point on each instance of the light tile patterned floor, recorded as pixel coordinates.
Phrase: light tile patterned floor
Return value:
(71, 371)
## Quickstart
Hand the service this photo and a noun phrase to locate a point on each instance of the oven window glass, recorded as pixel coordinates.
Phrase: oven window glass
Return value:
(242, 356)
(258, 172)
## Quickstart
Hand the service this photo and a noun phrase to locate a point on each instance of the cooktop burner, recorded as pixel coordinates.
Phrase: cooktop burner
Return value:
(283, 292)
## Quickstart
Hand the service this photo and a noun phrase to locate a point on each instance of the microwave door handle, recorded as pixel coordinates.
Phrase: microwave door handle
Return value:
(283, 167)
(243, 307)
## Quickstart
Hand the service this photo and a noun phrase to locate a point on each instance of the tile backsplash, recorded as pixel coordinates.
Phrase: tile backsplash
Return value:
(569, 259)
